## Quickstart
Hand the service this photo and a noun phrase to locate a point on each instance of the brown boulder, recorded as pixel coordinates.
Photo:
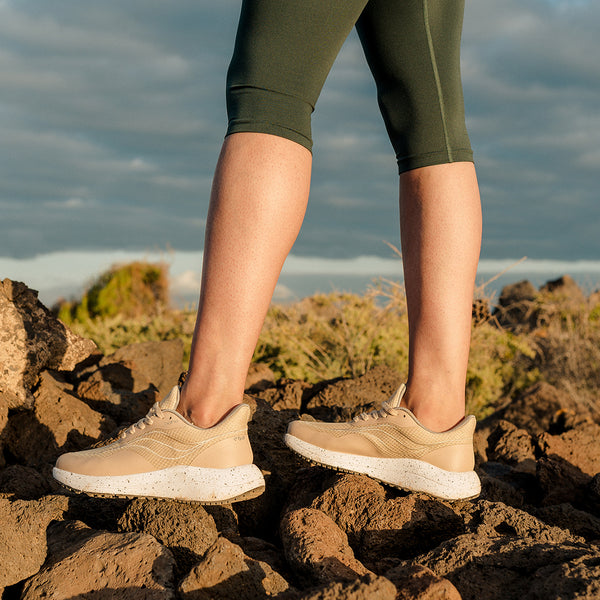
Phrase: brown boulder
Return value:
(511, 445)
(264, 551)
(580, 447)
(126, 384)
(495, 489)
(351, 500)
(259, 377)
(84, 563)
(564, 289)
(542, 407)
(506, 568)
(226, 572)
(317, 549)
(287, 394)
(343, 399)
(122, 405)
(59, 422)
(561, 482)
(24, 483)
(186, 529)
(378, 527)
(32, 339)
(416, 582)
(225, 518)
(367, 587)
(23, 544)
(576, 522)
(156, 364)
(577, 578)
(491, 519)
(516, 305)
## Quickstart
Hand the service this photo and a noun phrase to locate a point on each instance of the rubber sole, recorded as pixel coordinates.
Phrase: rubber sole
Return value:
(186, 484)
(404, 473)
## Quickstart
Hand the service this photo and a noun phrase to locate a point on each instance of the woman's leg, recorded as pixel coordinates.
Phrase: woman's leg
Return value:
(258, 201)
(283, 53)
(413, 50)
(440, 216)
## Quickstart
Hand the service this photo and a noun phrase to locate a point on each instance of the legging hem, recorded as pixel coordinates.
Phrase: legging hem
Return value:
(269, 128)
(408, 163)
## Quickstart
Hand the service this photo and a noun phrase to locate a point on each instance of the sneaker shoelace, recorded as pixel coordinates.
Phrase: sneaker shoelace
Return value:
(386, 410)
(155, 412)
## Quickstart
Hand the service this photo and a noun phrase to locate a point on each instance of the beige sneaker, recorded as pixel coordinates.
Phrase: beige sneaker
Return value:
(392, 446)
(164, 456)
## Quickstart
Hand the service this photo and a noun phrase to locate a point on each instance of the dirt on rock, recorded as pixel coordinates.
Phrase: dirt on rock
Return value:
(534, 532)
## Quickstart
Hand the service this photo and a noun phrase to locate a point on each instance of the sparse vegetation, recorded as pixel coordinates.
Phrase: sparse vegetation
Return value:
(341, 334)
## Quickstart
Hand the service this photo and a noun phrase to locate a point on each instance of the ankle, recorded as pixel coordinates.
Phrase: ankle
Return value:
(205, 410)
(437, 410)
(436, 419)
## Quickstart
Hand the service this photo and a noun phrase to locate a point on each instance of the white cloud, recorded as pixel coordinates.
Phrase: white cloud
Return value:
(185, 283)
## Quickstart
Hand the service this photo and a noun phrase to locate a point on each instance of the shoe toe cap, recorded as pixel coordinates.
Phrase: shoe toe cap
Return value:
(300, 429)
(71, 461)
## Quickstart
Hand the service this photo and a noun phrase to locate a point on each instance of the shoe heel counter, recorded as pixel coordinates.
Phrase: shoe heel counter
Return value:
(231, 451)
(457, 457)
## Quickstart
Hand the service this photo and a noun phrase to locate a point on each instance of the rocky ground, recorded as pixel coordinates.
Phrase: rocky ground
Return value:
(534, 533)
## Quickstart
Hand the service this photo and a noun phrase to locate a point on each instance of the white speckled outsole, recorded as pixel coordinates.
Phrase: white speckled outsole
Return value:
(187, 484)
(405, 473)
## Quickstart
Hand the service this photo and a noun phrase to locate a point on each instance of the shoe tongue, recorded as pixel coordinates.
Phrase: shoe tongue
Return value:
(394, 401)
(170, 401)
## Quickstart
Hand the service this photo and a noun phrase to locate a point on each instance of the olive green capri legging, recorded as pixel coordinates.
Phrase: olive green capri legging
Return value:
(285, 48)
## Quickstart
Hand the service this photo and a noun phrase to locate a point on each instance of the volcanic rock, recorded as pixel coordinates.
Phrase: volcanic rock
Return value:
(507, 443)
(32, 339)
(278, 465)
(259, 377)
(23, 536)
(540, 407)
(126, 384)
(84, 563)
(494, 518)
(226, 572)
(516, 308)
(59, 422)
(24, 483)
(377, 527)
(186, 529)
(576, 522)
(367, 587)
(577, 446)
(561, 482)
(317, 548)
(416, 582)
(288, 394)
(507, 568)
(343, 399)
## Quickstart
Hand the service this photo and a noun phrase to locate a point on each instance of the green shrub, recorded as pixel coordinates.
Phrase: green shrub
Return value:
(131, 291)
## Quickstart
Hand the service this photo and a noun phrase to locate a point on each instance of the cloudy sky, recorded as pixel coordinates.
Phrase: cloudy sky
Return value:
(112, 115)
